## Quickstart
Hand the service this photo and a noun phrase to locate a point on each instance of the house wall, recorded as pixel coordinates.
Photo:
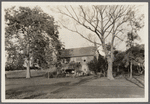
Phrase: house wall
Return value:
(85, 67)
(77, 59)
(96, 54)
(80, 59)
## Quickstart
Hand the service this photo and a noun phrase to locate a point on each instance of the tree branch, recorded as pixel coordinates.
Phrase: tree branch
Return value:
(74, 12)
(95, 28)
(78, 33)
(108, 33)
(119, 38)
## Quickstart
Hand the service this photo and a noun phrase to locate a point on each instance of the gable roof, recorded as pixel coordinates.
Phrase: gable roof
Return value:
(78, 52)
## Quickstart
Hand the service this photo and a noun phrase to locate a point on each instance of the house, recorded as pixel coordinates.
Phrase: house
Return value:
(79, 54)
(82, 55)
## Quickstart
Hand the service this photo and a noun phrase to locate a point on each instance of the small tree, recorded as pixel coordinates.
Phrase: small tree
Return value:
(136, 54)
(119, 61)
(130, 44)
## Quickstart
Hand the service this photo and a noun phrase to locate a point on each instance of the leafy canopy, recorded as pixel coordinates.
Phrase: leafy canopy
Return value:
(34, 32)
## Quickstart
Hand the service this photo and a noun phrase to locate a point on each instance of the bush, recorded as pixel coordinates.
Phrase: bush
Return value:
(62, 75)
(93, 65)
(11, 67)
(51, 74)
(74, 65)
(55, 75)
(99, 65)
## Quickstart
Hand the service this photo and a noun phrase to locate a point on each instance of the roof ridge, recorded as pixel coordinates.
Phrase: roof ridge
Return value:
(80, 47)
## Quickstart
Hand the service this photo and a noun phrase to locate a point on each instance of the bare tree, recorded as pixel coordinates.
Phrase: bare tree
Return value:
(107, 22)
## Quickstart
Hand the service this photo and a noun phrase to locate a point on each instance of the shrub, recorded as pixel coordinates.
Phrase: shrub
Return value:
(51, 74)
(10, 66)
(93, 65)
(99, 65)
(61, 75)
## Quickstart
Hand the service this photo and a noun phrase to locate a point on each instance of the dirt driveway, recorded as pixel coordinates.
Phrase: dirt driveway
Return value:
(82, 87)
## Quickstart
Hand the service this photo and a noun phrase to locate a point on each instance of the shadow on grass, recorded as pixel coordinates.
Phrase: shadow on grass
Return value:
(10, 94)
(66, 85)
(60, 84)
(139, 81)
(24, 77)
(33, 96)
(84, 80)
(134, 81)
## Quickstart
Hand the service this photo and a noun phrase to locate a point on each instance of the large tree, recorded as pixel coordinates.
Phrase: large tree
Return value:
(107, 22)
(35, 32)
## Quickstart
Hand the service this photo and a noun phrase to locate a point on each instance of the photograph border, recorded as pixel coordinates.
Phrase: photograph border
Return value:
(76, 100)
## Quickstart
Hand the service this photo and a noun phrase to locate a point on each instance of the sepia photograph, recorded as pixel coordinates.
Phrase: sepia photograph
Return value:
(74, 52)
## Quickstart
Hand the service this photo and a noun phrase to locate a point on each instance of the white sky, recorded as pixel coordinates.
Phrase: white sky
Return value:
(70, 39)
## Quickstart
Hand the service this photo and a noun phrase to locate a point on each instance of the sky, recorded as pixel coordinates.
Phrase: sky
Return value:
(72, 39)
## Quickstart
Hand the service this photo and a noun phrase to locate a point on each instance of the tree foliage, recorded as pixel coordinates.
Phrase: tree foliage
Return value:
(122, 59)
(99, 65)
(34, 32)
(137, 55)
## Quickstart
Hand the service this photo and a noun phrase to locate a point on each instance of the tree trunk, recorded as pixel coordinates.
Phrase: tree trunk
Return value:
(28, 63)
(110, 61)
(128, 71)
(118, 68)
(109, 71)
(131, 69)
(28, 70)
(48, 74)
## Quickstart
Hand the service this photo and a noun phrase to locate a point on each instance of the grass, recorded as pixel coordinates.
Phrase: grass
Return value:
(22, 73)
(137, 80)
(37, 87)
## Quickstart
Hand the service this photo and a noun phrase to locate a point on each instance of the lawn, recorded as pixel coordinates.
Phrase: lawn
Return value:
(22, 73)
(39, 87)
